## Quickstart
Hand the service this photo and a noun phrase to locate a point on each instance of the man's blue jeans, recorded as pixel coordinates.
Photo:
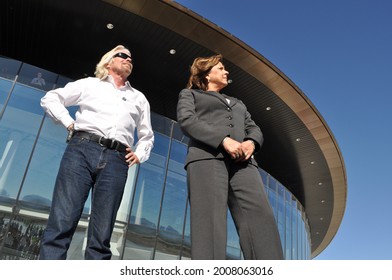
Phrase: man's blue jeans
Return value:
(85, 166)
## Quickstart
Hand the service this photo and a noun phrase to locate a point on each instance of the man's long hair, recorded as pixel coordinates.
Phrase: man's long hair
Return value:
(101, 71)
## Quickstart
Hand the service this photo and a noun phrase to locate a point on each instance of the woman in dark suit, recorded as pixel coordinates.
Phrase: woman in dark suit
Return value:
(221, 170)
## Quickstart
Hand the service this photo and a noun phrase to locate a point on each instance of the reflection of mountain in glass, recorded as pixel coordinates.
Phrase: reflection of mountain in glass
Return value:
(3, 192)
(143, 222)
(37, 199)
(32, 202)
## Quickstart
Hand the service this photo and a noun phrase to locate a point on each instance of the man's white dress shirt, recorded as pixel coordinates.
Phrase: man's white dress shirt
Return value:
(104, 110)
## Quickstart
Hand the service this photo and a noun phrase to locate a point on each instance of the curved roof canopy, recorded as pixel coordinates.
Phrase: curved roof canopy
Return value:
(69, 37)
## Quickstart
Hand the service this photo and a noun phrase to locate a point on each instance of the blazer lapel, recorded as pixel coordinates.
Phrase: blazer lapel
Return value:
(232, 102)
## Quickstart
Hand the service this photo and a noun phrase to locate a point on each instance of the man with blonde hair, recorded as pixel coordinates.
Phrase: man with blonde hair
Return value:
(98, 154)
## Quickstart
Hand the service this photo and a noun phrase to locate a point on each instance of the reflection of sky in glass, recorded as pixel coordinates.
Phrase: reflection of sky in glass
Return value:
(146, 205)
(5, 86)
(26, 99)
(19, 126)
(174, 203)
(9, 68)
(46, 160)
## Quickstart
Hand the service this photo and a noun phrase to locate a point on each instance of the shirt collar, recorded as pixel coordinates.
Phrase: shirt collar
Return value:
(110, 79)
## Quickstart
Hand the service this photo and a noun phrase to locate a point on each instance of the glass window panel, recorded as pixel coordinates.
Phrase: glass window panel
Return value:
(161, 149)
(62, 81)
(272, 197)
(288, 230)
(147, 202)
(294, 232)
(300, 235)
(123, 211)
(172, 219)
(161, 124)
(26, 99)
(9, 68)
(36, 77)
(308, 248)
(173, 210)
(233, 250)
(178, 135)
(177, 155)
(41, 176)
(168, 246)
(175, 197)
(5, 87)
(146, 206)
(281, 214)
(186, 243)
(272, 183)
(139, 243)
(306, 239)
(18, 129)
(264, 176)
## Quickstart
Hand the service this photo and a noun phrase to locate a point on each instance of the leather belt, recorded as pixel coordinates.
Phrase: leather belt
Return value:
(104, 142)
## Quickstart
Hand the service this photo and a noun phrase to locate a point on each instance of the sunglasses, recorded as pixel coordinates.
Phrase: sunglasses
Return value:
(122, 55)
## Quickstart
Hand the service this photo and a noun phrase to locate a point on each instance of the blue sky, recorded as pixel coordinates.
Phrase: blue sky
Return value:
(339, 53)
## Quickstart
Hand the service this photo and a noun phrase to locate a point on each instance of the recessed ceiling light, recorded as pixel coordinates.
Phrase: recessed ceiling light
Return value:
(322, 201)
(109, 26)
(298, 139)
(172, 51)
(320, 183)
(312, 162)
(268, 108)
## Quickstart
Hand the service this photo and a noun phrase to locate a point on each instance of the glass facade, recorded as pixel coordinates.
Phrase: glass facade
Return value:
(153, 220)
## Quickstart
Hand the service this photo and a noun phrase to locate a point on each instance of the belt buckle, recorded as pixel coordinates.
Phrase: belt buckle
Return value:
(109, 143)
(114, 144)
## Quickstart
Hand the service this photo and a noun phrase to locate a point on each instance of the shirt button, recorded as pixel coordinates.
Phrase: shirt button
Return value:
(230, 118)
(231, 125)
(228, 109)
